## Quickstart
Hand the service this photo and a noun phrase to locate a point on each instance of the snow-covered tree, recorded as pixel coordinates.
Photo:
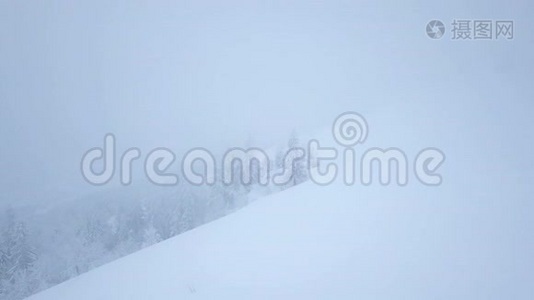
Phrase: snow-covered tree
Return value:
(299, 169)
(151, 236)
(17, 260)
(22, 254)
(3, 268)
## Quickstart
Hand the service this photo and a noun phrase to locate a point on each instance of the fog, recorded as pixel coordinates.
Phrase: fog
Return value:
(186, 74)
(192, 74)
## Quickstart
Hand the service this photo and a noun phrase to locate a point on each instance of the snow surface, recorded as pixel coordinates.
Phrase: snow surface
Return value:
(333, 242)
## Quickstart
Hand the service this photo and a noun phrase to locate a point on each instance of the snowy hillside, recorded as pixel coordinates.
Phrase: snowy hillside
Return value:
(335, 242)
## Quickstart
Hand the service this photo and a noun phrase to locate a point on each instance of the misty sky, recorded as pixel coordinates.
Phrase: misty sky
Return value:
(198, 73)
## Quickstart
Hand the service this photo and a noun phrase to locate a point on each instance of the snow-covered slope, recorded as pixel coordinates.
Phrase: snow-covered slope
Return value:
(334, 242)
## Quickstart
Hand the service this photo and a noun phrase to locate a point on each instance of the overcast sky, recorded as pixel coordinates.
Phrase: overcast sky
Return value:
(199, 73)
